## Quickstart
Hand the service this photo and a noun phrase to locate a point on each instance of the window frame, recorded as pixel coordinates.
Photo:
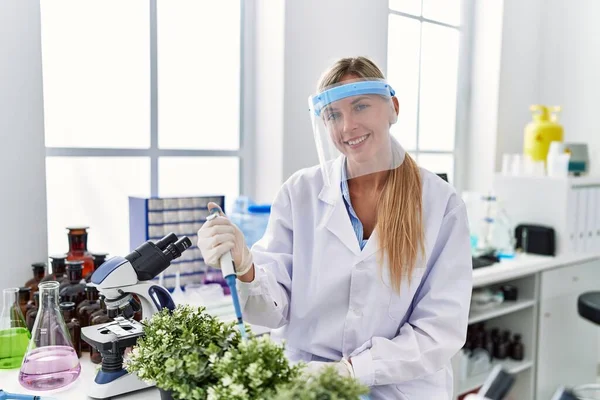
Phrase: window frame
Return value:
(245, 151)
(463, 89)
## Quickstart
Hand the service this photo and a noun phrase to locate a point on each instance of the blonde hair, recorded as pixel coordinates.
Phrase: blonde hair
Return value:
(399, 207)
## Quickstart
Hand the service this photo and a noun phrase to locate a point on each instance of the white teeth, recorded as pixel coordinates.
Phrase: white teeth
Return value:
(357, 141)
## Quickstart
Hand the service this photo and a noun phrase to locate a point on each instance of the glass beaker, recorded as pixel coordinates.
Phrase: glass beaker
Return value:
(51, 361)
(14, 335)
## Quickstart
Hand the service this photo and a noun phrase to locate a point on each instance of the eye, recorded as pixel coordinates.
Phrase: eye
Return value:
(333, 116)
(360, 107)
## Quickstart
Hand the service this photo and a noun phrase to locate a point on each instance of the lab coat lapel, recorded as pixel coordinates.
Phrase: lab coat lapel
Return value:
(371, 247)
(336, 218)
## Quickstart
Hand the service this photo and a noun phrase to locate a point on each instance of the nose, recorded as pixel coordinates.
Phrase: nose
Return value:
(350, 122)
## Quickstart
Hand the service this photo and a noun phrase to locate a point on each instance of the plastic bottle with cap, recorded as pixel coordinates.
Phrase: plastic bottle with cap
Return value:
(257, 223)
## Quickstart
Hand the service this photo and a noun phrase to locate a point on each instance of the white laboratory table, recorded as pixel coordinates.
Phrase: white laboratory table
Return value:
(524, 265)
(77, 390)
(534, 274)
(545, 314)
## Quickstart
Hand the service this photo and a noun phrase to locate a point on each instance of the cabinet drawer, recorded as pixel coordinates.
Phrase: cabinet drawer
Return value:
(571, 279)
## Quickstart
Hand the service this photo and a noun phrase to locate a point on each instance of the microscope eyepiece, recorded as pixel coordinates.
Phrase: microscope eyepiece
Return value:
(174, 250)
(150, 259)
(167, 240)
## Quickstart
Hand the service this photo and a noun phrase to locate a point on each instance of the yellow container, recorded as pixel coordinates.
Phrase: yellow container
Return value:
(540, 132)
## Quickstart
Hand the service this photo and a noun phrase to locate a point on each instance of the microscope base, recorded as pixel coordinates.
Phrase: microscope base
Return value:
(123, 384)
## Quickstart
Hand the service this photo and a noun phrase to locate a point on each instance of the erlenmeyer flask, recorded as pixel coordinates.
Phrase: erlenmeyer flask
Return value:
(14, 334)
(51, 361)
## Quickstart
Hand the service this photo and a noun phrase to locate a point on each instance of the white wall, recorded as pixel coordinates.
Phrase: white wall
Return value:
(521, 45)
(22, 162)
(269, 86)
(504, 83)
(478, 165)
(569, 69)
(317, 33)
(314, 35)
(549, 54)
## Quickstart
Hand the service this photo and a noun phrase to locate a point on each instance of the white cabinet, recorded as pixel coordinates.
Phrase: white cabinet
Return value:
(567, 352)
(573, 211)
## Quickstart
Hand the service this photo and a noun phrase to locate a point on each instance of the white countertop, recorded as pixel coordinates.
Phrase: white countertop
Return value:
(525, 264)
(522, 265)
(9, 382)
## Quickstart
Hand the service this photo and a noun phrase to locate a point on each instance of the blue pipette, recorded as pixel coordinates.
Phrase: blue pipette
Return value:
(13, 396)
(228, 271)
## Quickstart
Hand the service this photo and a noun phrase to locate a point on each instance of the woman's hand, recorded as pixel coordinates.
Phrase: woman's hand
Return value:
(220, 235)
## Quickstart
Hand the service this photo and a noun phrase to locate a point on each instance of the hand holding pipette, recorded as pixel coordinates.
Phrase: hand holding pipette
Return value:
(217, 240)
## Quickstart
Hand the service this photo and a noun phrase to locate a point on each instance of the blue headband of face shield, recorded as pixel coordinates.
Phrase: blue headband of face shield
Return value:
(329, 96)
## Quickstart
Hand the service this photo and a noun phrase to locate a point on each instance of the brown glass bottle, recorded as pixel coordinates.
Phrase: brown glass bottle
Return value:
(97, 318)
(39, 271)
(99, 259)
(503, 346)
(32, 313)
(58, 265)
(78, 248)
(87, 308)
(24, 296)
(517, 352)
(73, 290)
(30, 305)
(68, 312)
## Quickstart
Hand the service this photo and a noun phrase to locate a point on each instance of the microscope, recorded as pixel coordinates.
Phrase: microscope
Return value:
(119, 279)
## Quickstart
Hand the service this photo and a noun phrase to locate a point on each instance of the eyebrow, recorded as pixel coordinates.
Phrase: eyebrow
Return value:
(330, 109)
(359, 99)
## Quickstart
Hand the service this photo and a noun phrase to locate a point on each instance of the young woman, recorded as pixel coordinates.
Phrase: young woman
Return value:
(366, 263)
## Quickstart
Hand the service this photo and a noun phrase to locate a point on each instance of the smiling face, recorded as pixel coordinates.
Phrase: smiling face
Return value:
(359, 127)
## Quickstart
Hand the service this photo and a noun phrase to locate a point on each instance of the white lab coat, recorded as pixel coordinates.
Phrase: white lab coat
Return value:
(328, 299)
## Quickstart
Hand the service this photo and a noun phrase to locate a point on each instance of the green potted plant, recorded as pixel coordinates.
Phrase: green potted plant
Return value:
(176, 348)
(189, 354)
(327, 385)
(251, 371)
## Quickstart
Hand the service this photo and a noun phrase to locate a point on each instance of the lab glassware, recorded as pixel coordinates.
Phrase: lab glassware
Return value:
(78, 250)
(14, 335)
(39, 271)
(51, 361)
(59, 267)
(72, 289)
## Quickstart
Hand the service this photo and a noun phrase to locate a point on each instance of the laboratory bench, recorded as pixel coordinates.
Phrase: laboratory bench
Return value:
(9, 382)
(560, 347)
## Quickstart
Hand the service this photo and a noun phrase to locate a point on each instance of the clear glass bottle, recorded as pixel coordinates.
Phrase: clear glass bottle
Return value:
(39, 271)
(51, 361)
(68, 312)
(73, 290)
(32, 313)
(99, 259)
(24, 296)
(78, 248)
(59, 268)
(14, 335)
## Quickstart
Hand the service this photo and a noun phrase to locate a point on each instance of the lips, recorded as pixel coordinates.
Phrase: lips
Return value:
(358, 140)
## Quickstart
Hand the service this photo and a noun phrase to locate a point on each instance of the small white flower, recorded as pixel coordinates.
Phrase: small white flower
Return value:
(227, 381)
(238, 390)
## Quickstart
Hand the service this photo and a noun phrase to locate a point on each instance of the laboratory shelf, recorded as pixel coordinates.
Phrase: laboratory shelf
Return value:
(510, 366)
(504, 308)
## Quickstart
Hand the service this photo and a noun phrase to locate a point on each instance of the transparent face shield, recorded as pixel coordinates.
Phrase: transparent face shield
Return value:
(351, 124)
